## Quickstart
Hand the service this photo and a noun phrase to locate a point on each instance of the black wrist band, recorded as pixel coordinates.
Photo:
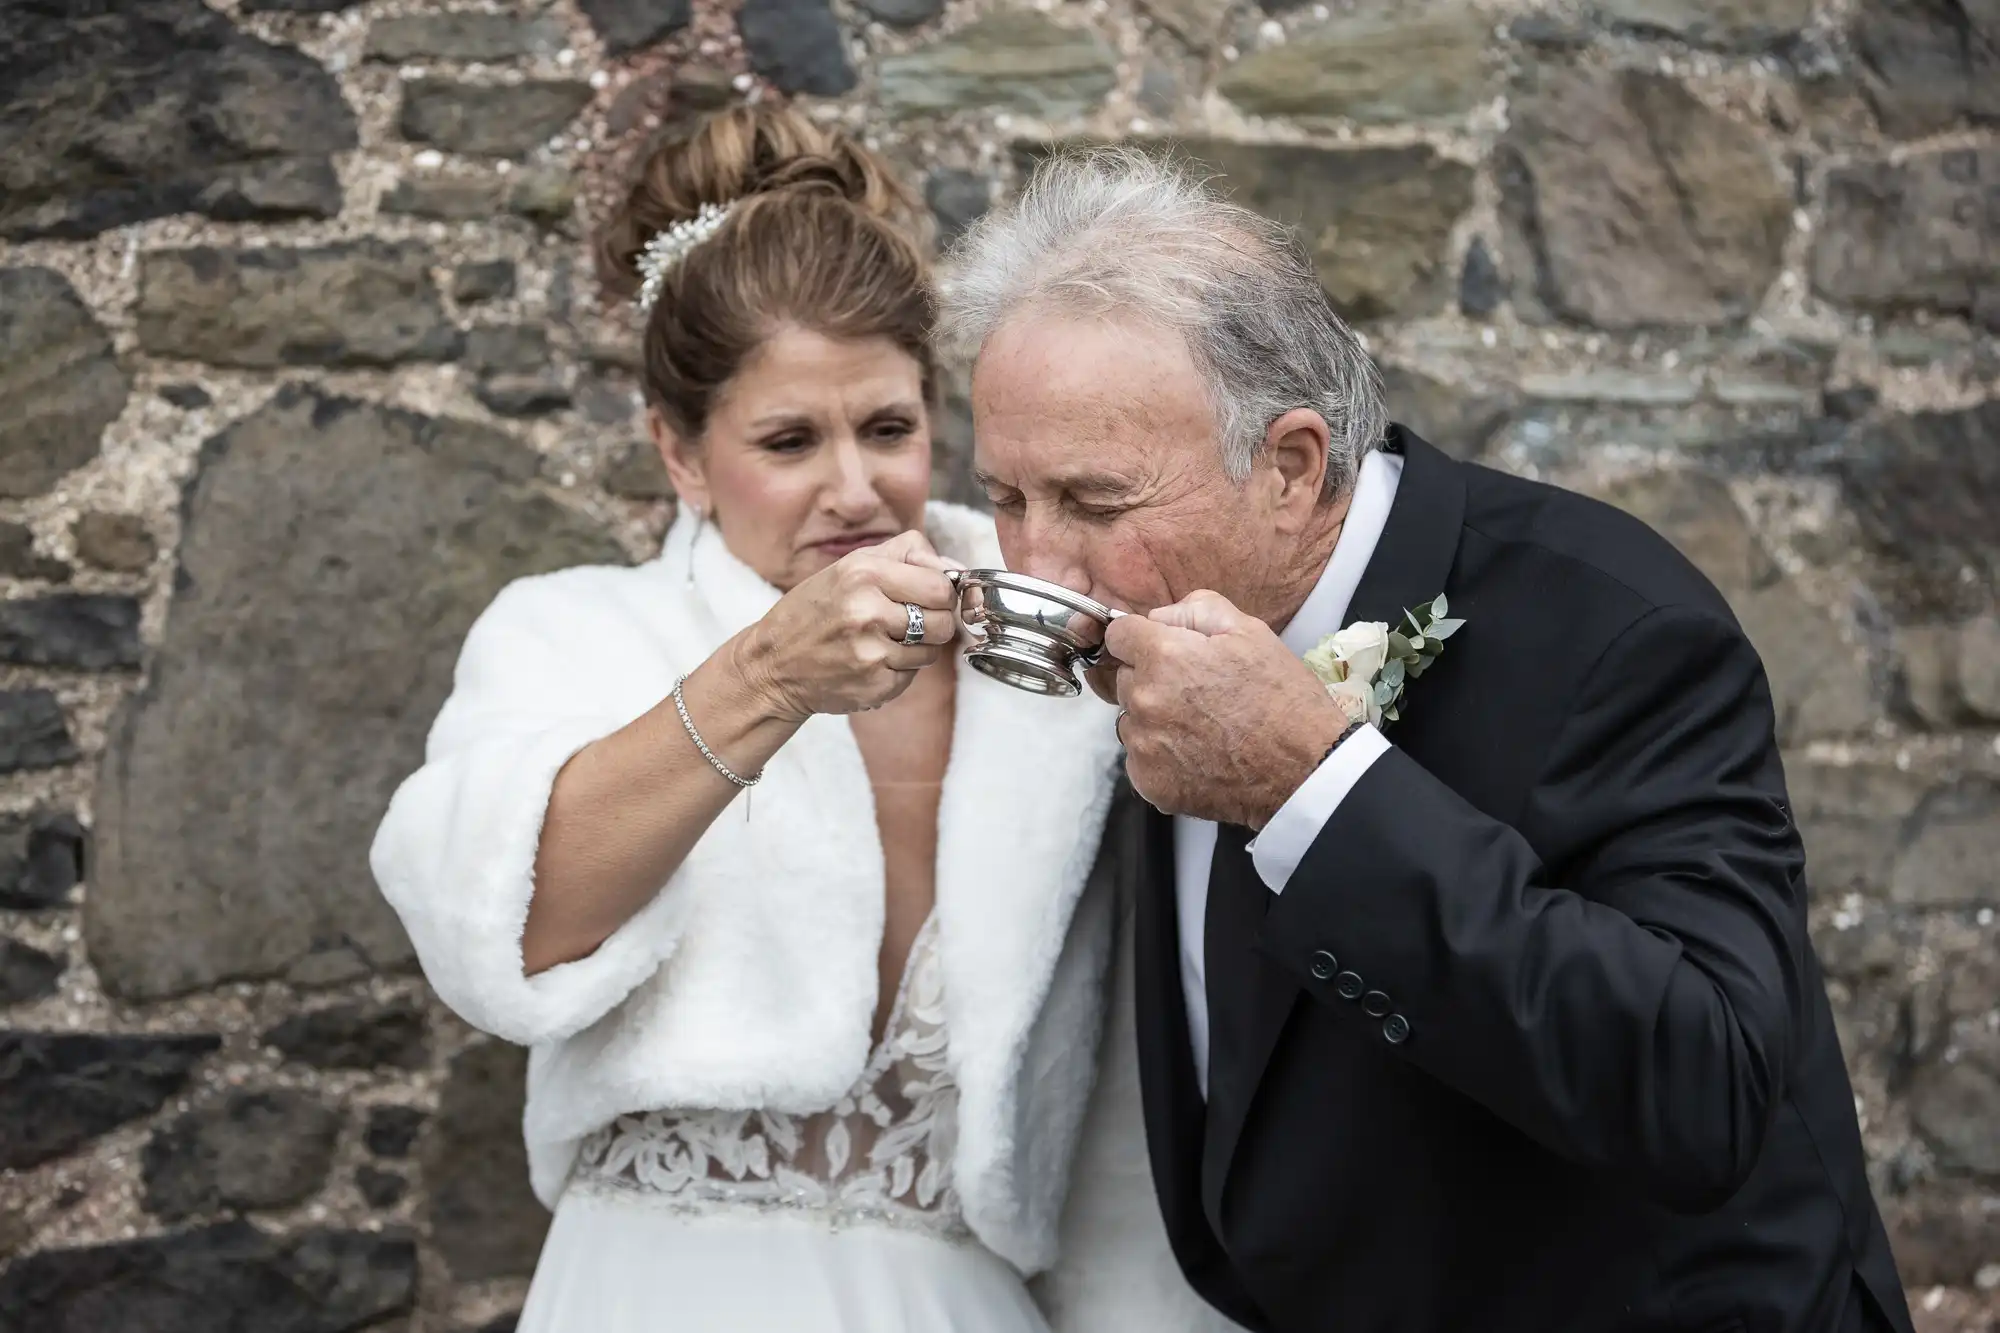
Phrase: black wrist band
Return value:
(1352, 727)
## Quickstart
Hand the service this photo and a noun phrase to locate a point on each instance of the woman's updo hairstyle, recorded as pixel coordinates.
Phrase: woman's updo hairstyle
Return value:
(820, 234)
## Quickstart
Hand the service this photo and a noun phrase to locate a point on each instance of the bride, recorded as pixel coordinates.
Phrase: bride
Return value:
(798, 917)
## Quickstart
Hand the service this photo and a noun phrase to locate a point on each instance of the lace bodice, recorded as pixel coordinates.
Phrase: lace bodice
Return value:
(882, 1153)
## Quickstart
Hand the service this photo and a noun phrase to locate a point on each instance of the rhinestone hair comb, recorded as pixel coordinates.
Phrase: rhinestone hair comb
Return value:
(667, 248)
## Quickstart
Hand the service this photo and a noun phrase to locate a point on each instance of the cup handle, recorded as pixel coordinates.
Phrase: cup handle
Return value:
(1096, 655)
(966, 634)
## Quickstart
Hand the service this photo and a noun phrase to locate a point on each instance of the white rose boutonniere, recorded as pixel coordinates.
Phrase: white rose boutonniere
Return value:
(1356, 698)
(1366, 665)
(1364, 647)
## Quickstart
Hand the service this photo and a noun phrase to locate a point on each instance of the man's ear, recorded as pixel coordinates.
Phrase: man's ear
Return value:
(1295, 449)
(683, 463)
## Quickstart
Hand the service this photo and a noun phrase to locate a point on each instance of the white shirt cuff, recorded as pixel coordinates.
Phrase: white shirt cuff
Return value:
(1284, 842)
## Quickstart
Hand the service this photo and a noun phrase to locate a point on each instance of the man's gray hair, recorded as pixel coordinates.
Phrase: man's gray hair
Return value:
(1115, 231)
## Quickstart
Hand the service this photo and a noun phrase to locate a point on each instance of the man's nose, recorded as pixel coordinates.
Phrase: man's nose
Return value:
(1047, 548)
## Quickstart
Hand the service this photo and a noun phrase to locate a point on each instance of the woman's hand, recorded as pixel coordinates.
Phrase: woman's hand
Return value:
(625, 811)
(834, 643)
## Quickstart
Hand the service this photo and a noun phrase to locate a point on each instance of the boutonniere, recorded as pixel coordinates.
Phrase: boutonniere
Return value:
(1366, 665)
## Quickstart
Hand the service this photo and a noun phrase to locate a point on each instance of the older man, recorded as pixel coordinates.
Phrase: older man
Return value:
(1497, 1013)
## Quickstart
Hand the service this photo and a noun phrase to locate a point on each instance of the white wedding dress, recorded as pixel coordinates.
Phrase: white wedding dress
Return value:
(845, 1221)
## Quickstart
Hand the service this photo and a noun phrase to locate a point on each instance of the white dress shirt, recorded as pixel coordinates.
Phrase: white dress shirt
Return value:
(1283, 843)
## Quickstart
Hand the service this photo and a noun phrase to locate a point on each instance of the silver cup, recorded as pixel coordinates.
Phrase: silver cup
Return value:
(1031, 634)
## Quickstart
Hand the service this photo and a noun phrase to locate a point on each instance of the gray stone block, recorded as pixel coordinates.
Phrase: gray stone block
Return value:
(33, 731)
(1922, 233)
(355, 1035)
(361, 303)
(489, 119)
(797, 45)
(59, 1090)
(1927, 65)
(155, 107)
(1628, 203)
(26, 973)
(1731, 25)
(627, 25)
(1375, 69)
(59, 380)
(465, 36)
(228, 1276)
(252, 1150)
(333, 557)
(1013, 60)
(82, 631)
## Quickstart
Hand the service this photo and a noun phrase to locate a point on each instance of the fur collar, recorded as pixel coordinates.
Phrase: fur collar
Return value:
(1024, 796)
(766, 995)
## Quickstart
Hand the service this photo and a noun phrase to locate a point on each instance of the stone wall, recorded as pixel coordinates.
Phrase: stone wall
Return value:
(301, 359)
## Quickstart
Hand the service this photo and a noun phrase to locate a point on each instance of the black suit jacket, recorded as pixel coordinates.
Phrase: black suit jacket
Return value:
(1537, 1037)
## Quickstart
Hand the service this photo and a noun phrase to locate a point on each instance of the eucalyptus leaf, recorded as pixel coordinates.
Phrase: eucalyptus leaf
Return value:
(1411, 651)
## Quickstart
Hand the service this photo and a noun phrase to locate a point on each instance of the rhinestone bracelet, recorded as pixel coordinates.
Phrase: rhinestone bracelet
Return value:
(680, 706)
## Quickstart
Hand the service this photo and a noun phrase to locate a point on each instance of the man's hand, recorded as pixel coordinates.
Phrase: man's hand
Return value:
(1221, 720)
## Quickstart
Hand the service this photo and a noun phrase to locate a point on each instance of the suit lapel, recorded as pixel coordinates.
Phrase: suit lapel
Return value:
(1414, 557)
(1250, 997)
(1172, 1101)
(1411, 563)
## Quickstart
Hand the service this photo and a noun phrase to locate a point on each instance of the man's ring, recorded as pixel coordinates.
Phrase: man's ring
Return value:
(914, 634)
